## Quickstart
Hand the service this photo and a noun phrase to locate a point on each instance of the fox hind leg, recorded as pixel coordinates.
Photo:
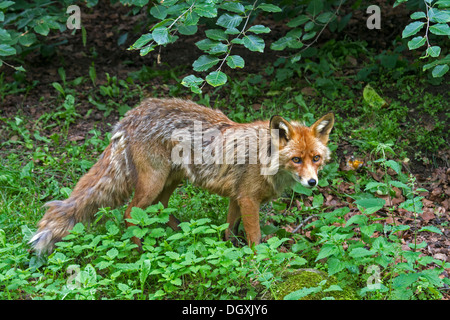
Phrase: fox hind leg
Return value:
(149, 186)
(164, 196)
(233, 219)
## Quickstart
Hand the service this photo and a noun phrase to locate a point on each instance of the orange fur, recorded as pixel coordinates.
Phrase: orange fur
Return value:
(163, 141)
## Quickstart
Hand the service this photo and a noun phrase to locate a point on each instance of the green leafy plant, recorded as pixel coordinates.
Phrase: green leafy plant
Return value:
(232, 27)
(354, 247)
(23, 23)
(435, 19)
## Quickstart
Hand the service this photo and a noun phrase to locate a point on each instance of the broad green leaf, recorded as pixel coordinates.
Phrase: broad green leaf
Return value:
(412, 205)
(112, 253)
(191, 80)
(356, 219)
(232, 31)
(400, 228)
(368, 230)
(441, 29)
(216, 78)
(159, 12)
(206, 44)
(254, 43)
(175, 236)
(4, 35)
(269, 229)
(229, 21)
(333, 287)
(360, 252)
(138, 3)
(298, 261)
(281, 43)
(326, 17)
(235, 7)
(191, 18)
(161, 35)
(440, 70)
(173, 255)
(142, 41)
(163, 23)
(443, 3)
(218, 49)
(315, 7)
(6, 4)
(373, 184)
(416, 246)
(412, 29)
(7, 50)
(78, 228)
(206, 10)
(434, 51)
(297, 295)
(404, 280)
(216, 34)
(418, 15)
(259, 29)
(177, 282)
(394, 165)
(371, 205)
(335, 265)
(27, 39)
(399, 184)
(58, 87)
(146, 50)
(275, 242)
(269, 7)
(205, 62)
(237, 41)
(42, 28)
(317, 200)
(306, 37)
(187, 30)
(326, 251)
(138, 215)
(235, 61)
(440, 16)
(157, 233)
(299, 188)
(430, 65)
(431, 229)
(309, 26)
(416, 42)
(295, 59)
(298, 21)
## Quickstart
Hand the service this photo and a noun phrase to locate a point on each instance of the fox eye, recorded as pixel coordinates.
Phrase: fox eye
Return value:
(316, 158)
(296, 160)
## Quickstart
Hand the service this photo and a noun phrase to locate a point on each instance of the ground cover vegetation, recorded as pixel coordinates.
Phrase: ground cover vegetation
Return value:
(378, 223)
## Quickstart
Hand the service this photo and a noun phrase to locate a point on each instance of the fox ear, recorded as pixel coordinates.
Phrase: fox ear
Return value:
(284, 128)
(322, 127)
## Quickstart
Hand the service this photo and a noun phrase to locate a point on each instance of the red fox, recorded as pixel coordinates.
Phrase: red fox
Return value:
(163, 141)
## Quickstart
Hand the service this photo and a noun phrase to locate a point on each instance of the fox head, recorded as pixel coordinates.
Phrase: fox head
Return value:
(302, 150)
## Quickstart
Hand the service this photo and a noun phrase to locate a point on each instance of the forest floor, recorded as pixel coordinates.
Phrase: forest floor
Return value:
(111, 30)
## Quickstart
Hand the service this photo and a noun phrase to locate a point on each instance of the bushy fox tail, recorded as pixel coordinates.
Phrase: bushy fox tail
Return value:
(109, 183)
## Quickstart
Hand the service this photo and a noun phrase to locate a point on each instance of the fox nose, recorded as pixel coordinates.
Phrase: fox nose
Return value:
(312, 182)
